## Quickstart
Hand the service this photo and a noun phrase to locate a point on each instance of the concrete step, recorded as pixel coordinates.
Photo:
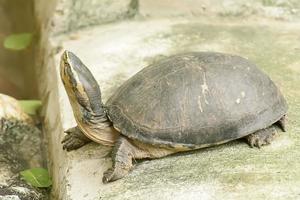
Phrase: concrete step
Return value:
(115, 52)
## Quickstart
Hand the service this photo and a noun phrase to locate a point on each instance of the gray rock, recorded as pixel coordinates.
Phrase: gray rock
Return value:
(10, 197)
(20, 149)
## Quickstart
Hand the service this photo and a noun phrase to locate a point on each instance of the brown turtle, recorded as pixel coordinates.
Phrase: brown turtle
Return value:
(184, 102)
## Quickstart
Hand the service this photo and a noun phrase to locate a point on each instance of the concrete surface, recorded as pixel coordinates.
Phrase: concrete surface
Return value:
(265, 31)
(114, 52)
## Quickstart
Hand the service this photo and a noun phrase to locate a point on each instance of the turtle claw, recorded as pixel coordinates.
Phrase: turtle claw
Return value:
(261, 137)
(114, 174)
(66, 138)
(74, 139)
(72, 143)
(107, 176)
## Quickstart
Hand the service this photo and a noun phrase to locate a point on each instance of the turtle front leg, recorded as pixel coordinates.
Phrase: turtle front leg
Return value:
(261, 137)
(122, 156)
(125, 150)
(74, 139)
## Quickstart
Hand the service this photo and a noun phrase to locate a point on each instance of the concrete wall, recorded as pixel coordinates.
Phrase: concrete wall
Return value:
(272, 9)
(17, 67)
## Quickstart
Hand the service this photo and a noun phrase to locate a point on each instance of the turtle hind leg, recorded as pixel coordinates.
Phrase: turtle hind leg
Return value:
(74, 139)
(282, 123)
(261, 137)
(125, 151)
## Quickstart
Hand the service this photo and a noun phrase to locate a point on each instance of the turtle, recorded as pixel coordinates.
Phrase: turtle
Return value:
(183, 102)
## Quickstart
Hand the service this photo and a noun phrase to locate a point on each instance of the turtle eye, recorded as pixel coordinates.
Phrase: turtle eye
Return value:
(70, 76)
(66, 67)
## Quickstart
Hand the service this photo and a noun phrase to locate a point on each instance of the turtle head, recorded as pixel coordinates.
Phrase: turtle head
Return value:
(85, 98)
(82, 88)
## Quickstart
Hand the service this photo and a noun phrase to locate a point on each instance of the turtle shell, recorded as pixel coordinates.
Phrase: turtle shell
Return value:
(196, 100)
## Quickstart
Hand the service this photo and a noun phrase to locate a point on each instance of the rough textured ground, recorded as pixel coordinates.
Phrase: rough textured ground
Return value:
(20, 149)
(230, 171)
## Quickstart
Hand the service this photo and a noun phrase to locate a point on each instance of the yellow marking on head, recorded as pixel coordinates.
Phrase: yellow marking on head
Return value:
(73, 87)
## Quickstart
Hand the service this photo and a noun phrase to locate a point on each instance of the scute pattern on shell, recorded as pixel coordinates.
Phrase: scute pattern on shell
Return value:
(194, 100)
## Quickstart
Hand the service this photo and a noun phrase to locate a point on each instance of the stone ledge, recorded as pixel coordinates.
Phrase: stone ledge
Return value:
(71, 15)
(257, 9)
(232, 171)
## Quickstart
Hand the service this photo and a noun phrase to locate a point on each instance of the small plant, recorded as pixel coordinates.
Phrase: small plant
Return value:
(31, 107)
(18, 41)
(37, 177)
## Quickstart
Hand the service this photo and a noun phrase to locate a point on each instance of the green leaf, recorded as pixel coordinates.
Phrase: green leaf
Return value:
(18, 41)
(30, 106)
(37, 177)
